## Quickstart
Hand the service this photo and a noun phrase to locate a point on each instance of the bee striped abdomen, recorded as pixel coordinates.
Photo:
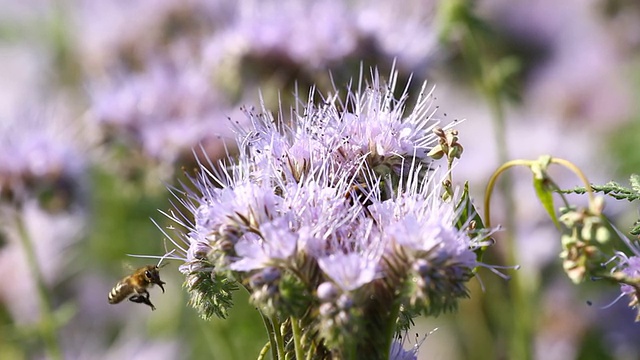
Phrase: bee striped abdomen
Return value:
(120, 291)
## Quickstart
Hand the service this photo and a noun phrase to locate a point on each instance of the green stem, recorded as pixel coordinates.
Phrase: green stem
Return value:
(492, 181)
(520, 294)
(297, 335)
(211, 333)
(521, 324)
(279, 339)
(312, 350)
(48, 324)
(391, 328)
(576, 170)
(270, 327)
(264, 351)
(351, 350)
(521, 321)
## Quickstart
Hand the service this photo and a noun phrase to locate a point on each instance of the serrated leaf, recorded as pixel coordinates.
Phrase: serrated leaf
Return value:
(546, 198)
(467, 212)
(210, 294)
(636, 229)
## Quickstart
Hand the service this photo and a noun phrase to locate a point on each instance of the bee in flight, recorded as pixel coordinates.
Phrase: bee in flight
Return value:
(136, 285)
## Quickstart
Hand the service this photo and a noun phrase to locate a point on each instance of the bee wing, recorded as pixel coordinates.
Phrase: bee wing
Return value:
(128, 267)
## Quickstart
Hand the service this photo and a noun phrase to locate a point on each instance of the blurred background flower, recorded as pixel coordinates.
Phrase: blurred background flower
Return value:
(136, 85)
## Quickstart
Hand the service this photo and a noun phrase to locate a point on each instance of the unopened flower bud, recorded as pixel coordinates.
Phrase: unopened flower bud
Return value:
(421, 267)
(266, 276)
(436, 152)
(345, 302)
(603, 235)
(327, 292)
(326, 309)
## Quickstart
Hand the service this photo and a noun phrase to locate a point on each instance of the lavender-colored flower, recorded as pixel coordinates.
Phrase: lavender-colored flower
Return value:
(41, 164)
(398, 352)
(162, 112)
(275, 28)
(42, 178)
(350, 271)
(370, 127)
(302, 39)
(629, 267)
(421, 223)
(113, 34)
(422, 243)
(275, 245)
(307, 217)
(312, 33)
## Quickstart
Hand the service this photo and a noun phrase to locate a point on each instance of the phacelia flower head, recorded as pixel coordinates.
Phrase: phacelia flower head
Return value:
(315, 35)
(332, 216)
(43, 186)
(153, 117)
(39, 161)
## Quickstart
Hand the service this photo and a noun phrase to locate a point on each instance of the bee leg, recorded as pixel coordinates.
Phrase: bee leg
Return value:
(141, 299)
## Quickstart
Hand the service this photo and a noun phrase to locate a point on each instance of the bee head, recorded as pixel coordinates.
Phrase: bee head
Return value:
(152, 274)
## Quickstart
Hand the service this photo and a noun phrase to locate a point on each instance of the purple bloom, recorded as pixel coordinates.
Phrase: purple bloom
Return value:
(38, 156)
(162, 112)
(313, 35)
(323, 210)
(275, 244)
(350, 271)
(398, 352)
(42, 203)
(631, 268)
(421, 223)
(369, 129)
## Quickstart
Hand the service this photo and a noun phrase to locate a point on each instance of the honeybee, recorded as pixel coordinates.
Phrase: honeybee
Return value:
(136, 285)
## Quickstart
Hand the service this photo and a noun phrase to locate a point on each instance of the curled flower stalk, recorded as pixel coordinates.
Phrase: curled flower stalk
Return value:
(334, 222)
(587, 235)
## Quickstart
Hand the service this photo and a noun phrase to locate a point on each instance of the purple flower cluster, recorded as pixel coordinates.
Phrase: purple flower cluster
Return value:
(339, 203)
(42, 165)
(151, 111)
(161, 113)
(315, 34)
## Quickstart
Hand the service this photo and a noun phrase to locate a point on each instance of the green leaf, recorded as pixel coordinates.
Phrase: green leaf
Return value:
(210, 294)
(546, 197)
(467, 213)
(611, 189)
(636, 229)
